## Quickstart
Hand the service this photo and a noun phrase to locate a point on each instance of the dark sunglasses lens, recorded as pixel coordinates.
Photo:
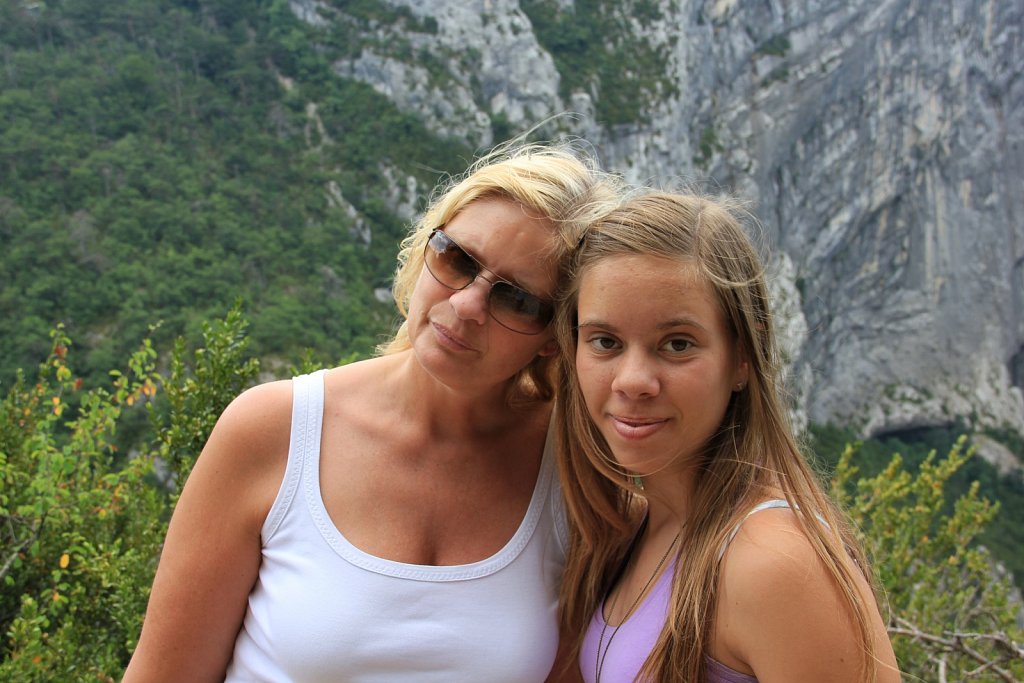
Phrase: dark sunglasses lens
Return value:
(448, 263)
(511, 306)
(519, 310)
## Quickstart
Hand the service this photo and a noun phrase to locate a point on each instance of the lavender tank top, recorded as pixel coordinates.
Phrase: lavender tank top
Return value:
(633, 641)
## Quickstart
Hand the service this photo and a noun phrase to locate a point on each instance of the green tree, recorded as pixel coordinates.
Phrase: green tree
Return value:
(79, 531)
(950, 618)
(81, 522)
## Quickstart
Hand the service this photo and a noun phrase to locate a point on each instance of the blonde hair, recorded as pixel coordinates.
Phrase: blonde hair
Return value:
(556, 180)
(752, 456)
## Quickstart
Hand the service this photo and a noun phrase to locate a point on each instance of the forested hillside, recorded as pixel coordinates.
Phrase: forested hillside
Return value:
(158, 162)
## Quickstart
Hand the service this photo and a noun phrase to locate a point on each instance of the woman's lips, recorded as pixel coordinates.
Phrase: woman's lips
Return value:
(449, 339)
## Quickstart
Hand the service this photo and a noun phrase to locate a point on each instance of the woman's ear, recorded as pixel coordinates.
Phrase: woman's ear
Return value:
(550, 348)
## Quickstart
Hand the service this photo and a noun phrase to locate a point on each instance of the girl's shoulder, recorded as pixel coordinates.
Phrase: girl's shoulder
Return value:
(768, 545)
(780, 608)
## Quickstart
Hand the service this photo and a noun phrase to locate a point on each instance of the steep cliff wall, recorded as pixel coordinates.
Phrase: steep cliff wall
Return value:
(881, 141)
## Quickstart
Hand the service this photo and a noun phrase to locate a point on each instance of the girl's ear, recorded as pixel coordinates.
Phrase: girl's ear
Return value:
(742, 375)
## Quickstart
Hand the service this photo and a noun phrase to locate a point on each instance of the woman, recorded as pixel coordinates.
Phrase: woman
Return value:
(396, 518)
(704, 548)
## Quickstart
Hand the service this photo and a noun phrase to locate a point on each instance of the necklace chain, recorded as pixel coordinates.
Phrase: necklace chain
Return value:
(601, 656)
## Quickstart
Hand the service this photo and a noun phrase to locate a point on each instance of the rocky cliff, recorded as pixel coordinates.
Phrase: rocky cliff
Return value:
(881, 143)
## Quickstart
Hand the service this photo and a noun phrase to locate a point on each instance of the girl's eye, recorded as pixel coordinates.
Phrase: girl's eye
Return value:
(602, 343)
(678, 345)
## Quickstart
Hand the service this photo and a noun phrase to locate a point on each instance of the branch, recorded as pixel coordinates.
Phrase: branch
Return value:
(956, 642)
(16, 550)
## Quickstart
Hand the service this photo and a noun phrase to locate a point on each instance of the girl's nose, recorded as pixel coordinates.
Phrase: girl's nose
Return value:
(636, 376)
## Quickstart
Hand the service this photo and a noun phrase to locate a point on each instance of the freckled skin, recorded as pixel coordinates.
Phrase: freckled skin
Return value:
(656, 359)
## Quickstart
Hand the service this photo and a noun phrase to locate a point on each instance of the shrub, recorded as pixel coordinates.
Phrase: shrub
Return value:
(81, 524)
(950, 613)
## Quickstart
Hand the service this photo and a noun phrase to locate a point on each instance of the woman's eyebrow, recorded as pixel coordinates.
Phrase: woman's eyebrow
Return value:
(501, 276)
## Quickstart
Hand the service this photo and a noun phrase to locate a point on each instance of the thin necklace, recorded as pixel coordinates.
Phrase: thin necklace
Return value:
(601, 656)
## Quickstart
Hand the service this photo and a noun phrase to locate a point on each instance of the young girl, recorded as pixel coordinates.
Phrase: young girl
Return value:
(704, 548)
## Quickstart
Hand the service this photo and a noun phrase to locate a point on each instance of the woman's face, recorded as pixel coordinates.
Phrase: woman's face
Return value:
(657, 361)
(452, 331)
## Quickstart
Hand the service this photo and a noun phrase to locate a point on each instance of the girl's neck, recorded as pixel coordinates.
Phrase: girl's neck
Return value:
(669, 498)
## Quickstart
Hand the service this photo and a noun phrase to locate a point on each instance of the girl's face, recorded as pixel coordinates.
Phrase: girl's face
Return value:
(657, 361)
(452, 331)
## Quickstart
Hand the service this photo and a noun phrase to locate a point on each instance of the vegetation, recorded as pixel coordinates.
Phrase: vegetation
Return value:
(159, 160)
(81, 521)
(776, 46)
(598, 51)
(83, 510)
(950, 616)
(707, 147)
(1002, 536)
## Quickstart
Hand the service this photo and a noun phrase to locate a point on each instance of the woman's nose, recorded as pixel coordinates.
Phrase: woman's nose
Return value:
(472, 301)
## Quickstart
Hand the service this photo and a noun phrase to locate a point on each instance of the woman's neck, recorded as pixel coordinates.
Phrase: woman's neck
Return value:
(449, 411)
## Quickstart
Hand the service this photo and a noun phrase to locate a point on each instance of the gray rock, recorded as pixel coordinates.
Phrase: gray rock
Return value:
(881, 143)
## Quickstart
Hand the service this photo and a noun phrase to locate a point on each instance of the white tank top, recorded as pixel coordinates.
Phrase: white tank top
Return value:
(323, 610)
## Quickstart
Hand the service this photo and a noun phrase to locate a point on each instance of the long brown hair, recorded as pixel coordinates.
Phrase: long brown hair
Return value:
(557, 180)
(753, 455)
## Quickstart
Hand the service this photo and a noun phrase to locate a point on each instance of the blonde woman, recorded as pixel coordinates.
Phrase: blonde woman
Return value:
(704, 548)
(396, 519)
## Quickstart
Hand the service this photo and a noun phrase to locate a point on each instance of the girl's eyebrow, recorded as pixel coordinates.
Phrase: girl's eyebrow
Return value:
(680, 322)
(597, 323)
(666, 325)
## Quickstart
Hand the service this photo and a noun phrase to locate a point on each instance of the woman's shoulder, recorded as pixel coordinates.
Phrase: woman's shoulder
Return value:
(251, 435)
(769, 547)
(362, 375)
(265, 410)
(250, 438)
(258, 412)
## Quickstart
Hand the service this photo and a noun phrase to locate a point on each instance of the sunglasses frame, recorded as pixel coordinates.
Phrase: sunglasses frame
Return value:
(545, 305)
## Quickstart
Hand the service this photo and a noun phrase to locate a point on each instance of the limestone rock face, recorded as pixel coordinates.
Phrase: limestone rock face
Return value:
(478, 60)
(880, 141)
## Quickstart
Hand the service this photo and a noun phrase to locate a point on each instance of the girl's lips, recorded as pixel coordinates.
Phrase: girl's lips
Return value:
(449, 339)
(636, 427)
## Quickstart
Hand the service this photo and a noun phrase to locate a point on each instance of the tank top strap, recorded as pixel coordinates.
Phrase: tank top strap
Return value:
(556, 498)
(764, 505)
(303, 443)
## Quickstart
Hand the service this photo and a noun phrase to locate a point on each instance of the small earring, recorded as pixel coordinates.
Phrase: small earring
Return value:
(740, 386)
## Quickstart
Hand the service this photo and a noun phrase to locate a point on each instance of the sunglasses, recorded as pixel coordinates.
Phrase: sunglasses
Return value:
(511, 306)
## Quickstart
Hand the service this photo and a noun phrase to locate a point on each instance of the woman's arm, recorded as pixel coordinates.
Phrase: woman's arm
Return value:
(565, 668)
(211, 556)
(783, 616)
